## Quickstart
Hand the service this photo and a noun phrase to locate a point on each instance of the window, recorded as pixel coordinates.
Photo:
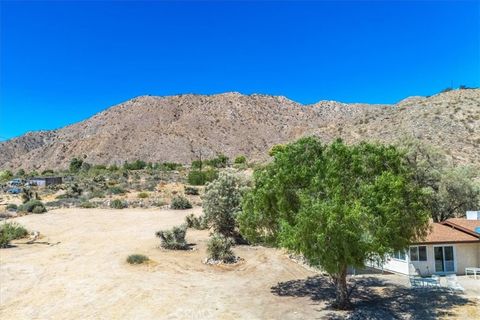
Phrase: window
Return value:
(400, 255)
(418, 253)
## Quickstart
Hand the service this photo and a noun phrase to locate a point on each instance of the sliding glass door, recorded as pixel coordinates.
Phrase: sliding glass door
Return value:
(444, 259)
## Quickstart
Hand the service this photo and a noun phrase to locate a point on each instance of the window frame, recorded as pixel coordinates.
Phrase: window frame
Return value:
(418, 255)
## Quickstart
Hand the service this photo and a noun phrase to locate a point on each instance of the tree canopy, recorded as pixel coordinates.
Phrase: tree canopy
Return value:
(337, 205)
(452, 189)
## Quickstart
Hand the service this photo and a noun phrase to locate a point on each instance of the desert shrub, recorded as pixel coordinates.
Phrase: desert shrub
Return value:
(136, 165)
(219, 248)
(158, 203)
(180, 203)
(48, 172)
(95, 193)
(10, 231)
(87, 205)
(20, 173)
(173, 239)
(143, 195)
(5, 175)
(28, 195)
(240, 160)
(4, 239)
(199, 178)
(137, 259)
(34, 206)
(170, 166)
(116, 190)
(118, 204)
(39, 209)
(191, 191)
(221, 161)
(197, 164)
(12, 207)
(199, 223)
(76, 164)
(222, 203)
(14, 230)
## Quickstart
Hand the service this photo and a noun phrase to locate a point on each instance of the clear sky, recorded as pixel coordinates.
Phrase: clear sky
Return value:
(64, 61)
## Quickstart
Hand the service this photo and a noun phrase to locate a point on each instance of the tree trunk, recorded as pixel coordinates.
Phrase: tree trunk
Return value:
(342, 299)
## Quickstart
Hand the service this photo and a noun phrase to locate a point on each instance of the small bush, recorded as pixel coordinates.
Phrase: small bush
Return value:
(32, 205)
(240, 160)
(173, 239)
(12, 207)
(118, 204)
(219, 248)
(191, 191)
(180, 203)
(142, 195)
(137, 259)
(199, 178)
(10, 231)
(221, 161)
(116, 190)
(39, 209)
(159, 203)
(199, 223)
(87, 205)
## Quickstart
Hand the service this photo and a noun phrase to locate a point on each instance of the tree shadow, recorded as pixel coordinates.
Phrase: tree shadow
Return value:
(375, 298)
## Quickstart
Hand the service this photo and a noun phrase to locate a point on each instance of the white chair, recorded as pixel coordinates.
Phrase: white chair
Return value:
(452, 283)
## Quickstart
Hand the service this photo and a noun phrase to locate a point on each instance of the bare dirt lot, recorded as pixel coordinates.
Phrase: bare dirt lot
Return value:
(77, 270)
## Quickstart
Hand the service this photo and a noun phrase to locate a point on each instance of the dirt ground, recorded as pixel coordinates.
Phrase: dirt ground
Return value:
(77, 270)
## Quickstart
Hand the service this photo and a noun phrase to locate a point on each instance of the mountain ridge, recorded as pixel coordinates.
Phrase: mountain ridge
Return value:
(179, 128)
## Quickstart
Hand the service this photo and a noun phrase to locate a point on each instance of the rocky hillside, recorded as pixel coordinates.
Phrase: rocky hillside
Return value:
(180, 128)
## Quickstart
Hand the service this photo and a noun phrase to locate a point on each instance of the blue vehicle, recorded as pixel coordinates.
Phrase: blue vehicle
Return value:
(14, 190)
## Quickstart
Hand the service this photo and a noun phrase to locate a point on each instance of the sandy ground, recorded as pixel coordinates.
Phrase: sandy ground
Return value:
(85, 275)
(82, 274)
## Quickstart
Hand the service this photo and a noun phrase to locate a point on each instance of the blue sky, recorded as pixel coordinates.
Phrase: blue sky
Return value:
(63, 61)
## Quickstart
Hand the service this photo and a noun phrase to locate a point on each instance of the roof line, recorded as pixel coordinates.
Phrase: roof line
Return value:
(460, 228)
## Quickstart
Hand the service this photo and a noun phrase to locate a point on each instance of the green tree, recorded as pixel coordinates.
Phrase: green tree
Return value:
(20, 173)
(222, 202)
(452, 189)
(337, 205)
(76, 164)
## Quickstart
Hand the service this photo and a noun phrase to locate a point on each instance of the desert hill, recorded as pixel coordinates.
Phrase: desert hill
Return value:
(180, 128)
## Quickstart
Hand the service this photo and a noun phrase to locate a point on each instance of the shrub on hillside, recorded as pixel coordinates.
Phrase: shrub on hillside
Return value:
(10, 231)
(12, 207)
(173, 239)
(87, 205)
(33, 206)
(136, 165)
(199, 223)
(240, 160)
(118, 204)
(191, 191)
(199, 178)
(142, 195)
(137, 259)
(116, 190)
(221, 161)
(219, 248)
(180, 203)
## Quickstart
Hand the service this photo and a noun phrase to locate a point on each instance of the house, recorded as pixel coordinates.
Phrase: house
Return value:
(450, 247)
(45, 181)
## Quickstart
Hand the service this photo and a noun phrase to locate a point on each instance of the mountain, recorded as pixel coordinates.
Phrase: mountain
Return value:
(180, 128)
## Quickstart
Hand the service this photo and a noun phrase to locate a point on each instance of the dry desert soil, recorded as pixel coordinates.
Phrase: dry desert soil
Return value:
(78, 270)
